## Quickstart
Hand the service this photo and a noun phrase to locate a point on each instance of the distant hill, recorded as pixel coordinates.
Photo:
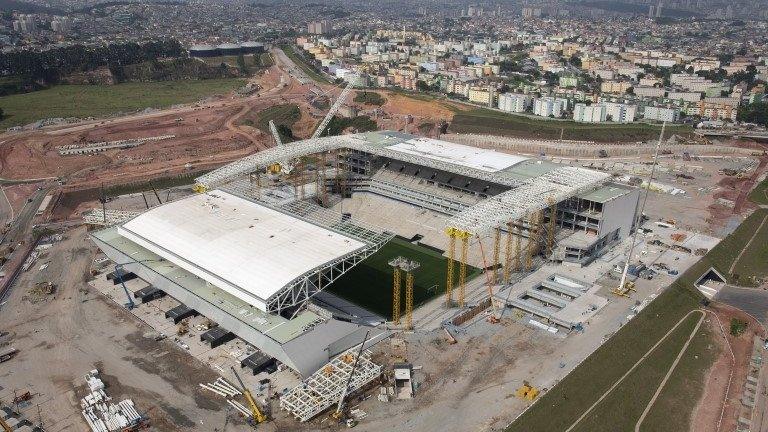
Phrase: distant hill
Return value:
(621, 7)
(24, 7)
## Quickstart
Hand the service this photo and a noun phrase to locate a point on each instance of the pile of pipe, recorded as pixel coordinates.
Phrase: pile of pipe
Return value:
(102, 415)
(223, 388)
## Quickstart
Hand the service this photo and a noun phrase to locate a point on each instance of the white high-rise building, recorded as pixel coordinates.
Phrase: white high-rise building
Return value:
(550, 107)
(620, 113)
(661, 114)
(61, 24)
(589, 113)
(25, 24)
(515, 103)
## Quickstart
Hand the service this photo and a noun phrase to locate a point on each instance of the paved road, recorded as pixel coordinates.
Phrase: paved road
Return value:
(754, 301)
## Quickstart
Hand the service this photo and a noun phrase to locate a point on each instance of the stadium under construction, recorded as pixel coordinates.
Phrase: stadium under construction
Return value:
(255, 249)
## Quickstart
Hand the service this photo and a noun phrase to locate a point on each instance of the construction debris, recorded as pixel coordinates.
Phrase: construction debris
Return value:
(103, 416)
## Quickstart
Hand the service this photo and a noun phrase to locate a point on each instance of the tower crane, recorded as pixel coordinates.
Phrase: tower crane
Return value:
(258, 416)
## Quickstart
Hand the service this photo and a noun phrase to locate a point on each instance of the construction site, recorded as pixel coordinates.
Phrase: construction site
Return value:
(262, 246)
(381, 280)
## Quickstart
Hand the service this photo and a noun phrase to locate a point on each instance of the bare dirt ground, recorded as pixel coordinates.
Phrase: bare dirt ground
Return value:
(206, 135)
(706, 416)
(62, 336)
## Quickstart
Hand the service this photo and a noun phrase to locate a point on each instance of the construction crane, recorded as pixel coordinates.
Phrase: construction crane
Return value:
(624, 286)
(119, 273)
(339, 413)
(5, 426)
(332, 112)
(257, 415)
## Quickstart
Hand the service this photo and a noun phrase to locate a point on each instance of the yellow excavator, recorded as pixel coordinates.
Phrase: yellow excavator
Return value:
(258, 416)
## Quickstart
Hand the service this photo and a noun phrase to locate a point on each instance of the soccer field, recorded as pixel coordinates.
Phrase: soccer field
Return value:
(369, 284)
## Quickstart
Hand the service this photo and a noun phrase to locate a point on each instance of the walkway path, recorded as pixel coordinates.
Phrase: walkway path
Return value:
(648, 353)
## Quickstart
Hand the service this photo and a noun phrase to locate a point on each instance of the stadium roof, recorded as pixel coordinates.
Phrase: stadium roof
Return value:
(458, 154)
(248, 250)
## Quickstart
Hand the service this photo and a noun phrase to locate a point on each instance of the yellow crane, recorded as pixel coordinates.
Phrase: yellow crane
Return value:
(258, 416)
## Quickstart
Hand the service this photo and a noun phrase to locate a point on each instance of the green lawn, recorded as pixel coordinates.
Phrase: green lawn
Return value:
(759, 194)
(369, 284)
(101, 100)
(752, 267)
(621, 409)
(582, 387)
(562, 405)
(483, 120)
(309, 70)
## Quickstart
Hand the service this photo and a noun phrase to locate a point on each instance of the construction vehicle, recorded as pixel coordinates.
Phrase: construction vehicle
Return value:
(339, 415)
(624, 285)
(527, 391)
(7, 354)
(256, 415)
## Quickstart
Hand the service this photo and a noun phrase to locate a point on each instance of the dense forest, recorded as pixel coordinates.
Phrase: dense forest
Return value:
(29, 70)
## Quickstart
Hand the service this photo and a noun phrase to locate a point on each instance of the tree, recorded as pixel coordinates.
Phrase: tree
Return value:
(754, 113)
(241, 66)
(2, 114)
(422, 86)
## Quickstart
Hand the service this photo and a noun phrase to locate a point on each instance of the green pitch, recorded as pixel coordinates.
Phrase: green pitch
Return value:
(369, 284)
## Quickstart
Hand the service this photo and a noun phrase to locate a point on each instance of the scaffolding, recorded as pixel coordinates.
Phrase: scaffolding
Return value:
(449, 268)
(508, 253)
(496, 247)
(395, 264)
(409, 267)
(324, 388)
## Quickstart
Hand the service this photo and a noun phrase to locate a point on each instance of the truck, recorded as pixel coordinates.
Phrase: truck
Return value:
(7, 353)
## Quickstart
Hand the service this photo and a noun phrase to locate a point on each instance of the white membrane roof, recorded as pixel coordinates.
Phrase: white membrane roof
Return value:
(458, 154)
(249, 250)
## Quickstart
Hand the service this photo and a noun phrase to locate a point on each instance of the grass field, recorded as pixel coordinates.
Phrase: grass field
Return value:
(101, 100)
(563, 404)
(751, 268)
(672, 411)
(369, 284)
(759, 194)
(488, 121)
(309, 70)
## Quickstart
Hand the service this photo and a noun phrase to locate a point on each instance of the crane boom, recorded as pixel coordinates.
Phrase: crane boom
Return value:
(334, 108)
(340, 408)
(630, 250)
(258, 416)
